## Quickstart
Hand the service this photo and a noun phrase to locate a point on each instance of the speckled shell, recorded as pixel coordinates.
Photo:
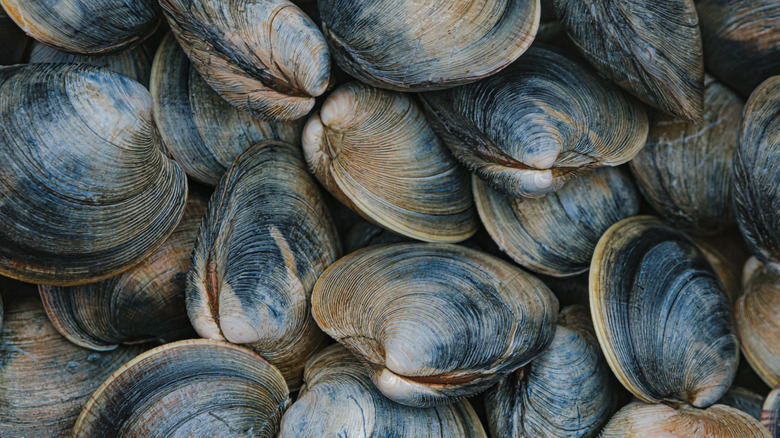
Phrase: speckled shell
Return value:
(743, 399)
(770, 412)
(265, 57)
(339, 400)
(640, 420)
(86, 26)
(651, 48)
(200, 130)
(758, 321)
(556, 234)
(13, 41)
(44, 379)
(434, 322)
(201, 388)
(419, 45)
(85, 189)
(566, 391)
(528, 129)
(265, 239)
(661, 314)
(685, 170)
(375, 151)
(144, 303)
(741, 41)
(757, 174)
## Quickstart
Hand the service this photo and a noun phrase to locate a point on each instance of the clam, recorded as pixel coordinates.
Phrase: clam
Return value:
(86, 191)
(758, 321)
(652, 49)
(339, 400)
(637, 420)
(661, 314)
(89, 27)
(265, 239)
(375, 151)
(578, 214)
(741, 41)
(188, 388)
(685, 170)
(566, 391)
(44, 379)
(419, 45)
(770, 413)
(745, 400)
(265, 57)
(200, 130)
(13, 41)
(434, 322)
(142, 304)
(528, 129)
(757, 174)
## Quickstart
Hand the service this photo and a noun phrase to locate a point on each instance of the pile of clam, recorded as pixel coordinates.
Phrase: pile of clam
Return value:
(390, 218)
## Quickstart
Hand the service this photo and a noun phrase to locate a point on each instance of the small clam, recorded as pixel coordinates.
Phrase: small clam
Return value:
(770, 413)
(434, 322)
(556, 234)
(339, 400)
(661, 314)
(13, 41)
(528, 129)
(745, 400)
(201, 388)
(375, 151)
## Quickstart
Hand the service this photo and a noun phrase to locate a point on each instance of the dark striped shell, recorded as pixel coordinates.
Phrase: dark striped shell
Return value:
(745, 400)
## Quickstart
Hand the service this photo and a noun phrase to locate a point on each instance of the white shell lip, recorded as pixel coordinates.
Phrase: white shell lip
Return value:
(401, 390)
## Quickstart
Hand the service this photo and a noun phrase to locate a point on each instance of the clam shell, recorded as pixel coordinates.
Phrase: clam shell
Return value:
(745, 400)
(375, 151)
(200, 130)
(727, 253)
(528, 129)
(434, 322)
(339, 399)
(85, 191)
(188, 388)
(661, 314)
(770, 413)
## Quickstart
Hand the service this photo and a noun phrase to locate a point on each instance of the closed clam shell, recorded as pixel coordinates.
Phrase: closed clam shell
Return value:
(566, 391)
(637, 420)
(339, 399)
(375, 151)
(745, 400)
(661, 314)
(409, 45)
(556, 234)
(44, 379)
(265, 57)
(188, 388)
(89, 27)
(651, 48)
(528, 129)
(757, 174)
(265, 239)
(434, 322)
(200, 130)
(685, 170)
(85, 190)
(741, 41)
(13, 41)
(757, 314)
(770, 413)
(144, 303)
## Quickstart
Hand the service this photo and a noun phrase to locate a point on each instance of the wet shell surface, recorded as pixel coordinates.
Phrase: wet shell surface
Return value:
(434, 322)
(556, 234)
(265, 240)
(685, 170)
(420, 45)
(200, 130)
(338, 399)
(770, 413)
(188, 388)
(79, 147)
(89, 27)
(566, 391)
(265, 57)
(757, 174)
(661, 314)
(651, 48)
(375, 151)
(145, 303)
(745, 400)
(530, 128)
